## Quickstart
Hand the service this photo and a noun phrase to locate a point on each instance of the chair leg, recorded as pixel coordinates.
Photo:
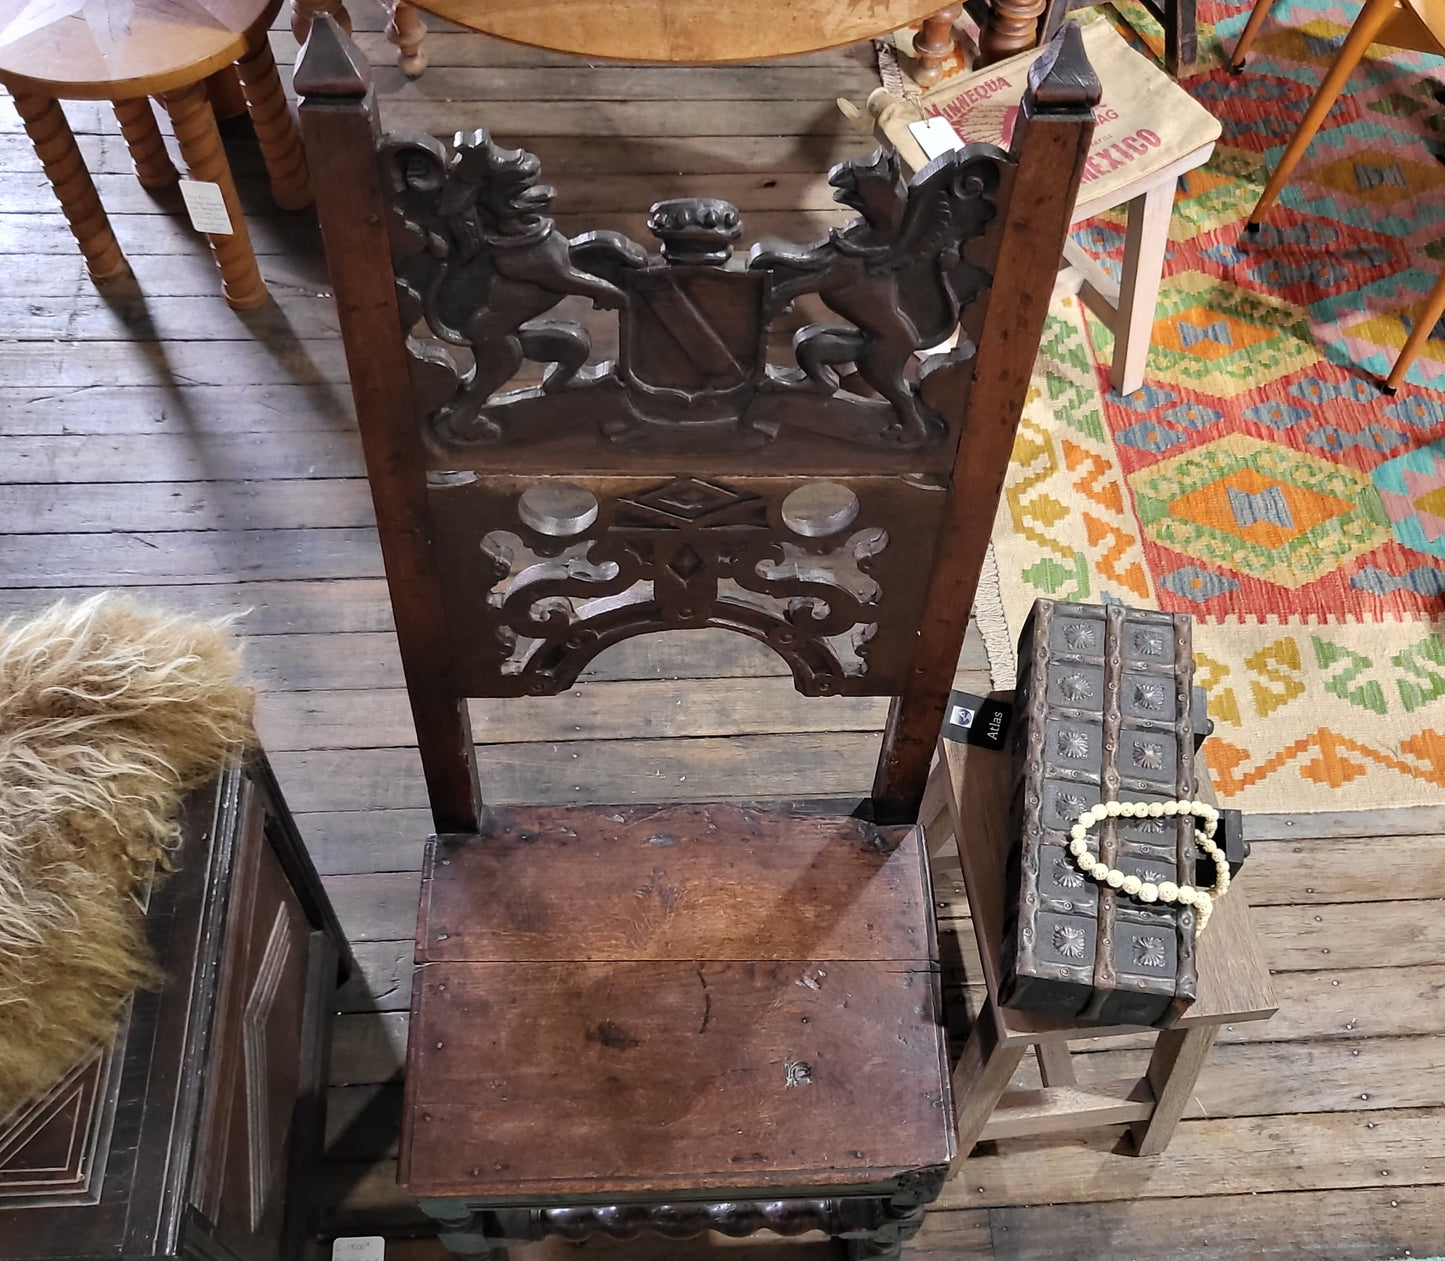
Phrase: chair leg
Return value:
(406, 30)
(1251, 30)
(275, 130)
(66, 170)
(1174, 1067)
(1146, 238)
(205, 159)
(1362, 34)
(983, 1074)
(934, 44)
(1181, 36)
(1434, 309)
(153, 165)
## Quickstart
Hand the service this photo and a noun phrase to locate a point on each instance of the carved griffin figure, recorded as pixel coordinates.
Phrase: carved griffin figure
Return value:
(476, 255)
(898, 273)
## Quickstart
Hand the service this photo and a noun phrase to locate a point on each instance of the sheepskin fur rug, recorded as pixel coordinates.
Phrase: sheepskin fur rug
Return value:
(109, 714)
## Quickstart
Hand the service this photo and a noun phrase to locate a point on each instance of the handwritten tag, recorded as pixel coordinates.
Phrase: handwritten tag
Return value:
(206, 207)
(358, 1247)
(935, 136)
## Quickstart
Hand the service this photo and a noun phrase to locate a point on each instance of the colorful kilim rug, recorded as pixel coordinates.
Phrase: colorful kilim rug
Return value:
(1260, 480)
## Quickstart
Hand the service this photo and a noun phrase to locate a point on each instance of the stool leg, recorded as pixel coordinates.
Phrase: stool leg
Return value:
(206, 160)
(1174, 1067)
(153, 165)
(275, 130)
(933, 45)
(65, 168)
(1145, 240)
(1434, 309)
(406, 30)
(302, 11)
(1012, 26)
(1247, 36)
(983, 1074)
(1362, 34)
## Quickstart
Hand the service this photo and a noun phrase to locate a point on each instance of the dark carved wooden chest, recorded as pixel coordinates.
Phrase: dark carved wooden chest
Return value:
(194, 1135)
(1105, 712)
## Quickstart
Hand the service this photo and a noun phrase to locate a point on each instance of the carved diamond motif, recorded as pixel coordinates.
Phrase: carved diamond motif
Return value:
(688, 499)
(686, 562)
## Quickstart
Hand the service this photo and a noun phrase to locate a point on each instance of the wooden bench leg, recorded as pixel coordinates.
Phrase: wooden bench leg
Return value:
(205, 159)
(153, 165)
(1174, 1067)
(66, 170)
(275, 131)
(1181, 36)
(1145, 241)
(983, 1074)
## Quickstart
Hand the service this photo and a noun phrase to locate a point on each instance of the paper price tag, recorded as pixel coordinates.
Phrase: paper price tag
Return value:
(206, 207)
(359, 1248)
(935, 136)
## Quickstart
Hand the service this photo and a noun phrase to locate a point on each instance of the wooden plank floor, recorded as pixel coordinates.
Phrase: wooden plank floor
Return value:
(152, 439)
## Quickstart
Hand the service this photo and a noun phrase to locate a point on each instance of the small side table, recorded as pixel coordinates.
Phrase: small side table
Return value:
(50, 53)
(197, 1134)
(1233, 986)
(1150, 132)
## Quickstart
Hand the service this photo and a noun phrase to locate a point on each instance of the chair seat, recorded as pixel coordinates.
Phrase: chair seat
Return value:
(639, 1001)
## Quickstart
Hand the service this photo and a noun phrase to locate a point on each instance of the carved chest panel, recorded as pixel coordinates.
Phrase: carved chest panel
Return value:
(1105, 713)
(194, 1135)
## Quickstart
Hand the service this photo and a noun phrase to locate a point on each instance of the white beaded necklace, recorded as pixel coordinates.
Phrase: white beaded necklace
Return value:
(1143, 890)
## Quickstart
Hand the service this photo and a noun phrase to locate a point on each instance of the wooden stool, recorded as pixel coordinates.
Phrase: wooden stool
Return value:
(53, 54)
(1150, 132)
(973, 786)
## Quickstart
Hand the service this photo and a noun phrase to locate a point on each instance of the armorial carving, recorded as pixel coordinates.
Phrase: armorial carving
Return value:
(478, 259)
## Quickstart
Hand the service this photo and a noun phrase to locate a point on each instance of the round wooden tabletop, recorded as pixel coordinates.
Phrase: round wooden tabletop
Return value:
(121, 49)
(684, 31)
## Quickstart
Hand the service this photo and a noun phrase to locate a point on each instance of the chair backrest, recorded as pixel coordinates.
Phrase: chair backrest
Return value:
(538, 503)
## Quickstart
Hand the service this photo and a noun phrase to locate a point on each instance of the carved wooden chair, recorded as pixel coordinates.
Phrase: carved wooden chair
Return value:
(704, 1016)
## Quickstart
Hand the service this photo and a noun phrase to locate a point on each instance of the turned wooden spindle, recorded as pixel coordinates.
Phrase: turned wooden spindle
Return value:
(934, 44)
(65, 168)
(206, 160)
(275, 129)
(406, 30)
(153, 165)
(1012, 27)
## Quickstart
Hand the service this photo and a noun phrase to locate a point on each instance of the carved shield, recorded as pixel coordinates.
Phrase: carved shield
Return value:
(693, 342)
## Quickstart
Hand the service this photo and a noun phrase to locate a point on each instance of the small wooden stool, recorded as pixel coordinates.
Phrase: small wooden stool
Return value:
(1149, 133)
(973, 785)
(167, 50)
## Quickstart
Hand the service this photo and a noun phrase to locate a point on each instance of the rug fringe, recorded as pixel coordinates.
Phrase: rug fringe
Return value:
(890, 73)
(988, 612)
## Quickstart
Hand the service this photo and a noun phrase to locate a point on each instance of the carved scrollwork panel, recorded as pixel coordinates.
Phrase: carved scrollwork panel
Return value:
(481, 269)
(548, 574)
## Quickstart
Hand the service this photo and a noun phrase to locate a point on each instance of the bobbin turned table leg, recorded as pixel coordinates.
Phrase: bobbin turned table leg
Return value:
(153, 165)
(206, 160)
(65, 168)
(275, 130)
(933, 45)
(1012, 27)
(406, 30)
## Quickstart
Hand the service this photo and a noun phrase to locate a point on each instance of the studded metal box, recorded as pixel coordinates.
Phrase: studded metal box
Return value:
(1104, 713)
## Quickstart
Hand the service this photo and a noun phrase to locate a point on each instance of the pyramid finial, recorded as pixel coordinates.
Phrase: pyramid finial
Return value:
(330, 64)
(1062, 81)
